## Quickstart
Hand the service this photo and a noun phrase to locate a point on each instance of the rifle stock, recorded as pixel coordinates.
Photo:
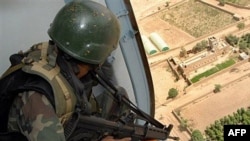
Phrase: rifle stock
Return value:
(119, 129)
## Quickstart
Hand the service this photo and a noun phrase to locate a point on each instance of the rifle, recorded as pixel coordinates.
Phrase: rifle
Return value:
(118, 129)
(12, 136)
(83, 125)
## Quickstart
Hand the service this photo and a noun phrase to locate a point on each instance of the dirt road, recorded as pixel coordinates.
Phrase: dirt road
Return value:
(199, 115)
(145, 8)
(196, 113)
(239, 11)
(179, 38)
(162, 77)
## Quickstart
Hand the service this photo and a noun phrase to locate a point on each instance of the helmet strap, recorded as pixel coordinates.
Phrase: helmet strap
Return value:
(52, 53)
(75, 68)
(68, 72)
(73, 62)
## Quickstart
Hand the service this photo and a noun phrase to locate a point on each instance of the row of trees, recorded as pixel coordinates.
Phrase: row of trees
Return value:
(197, 48)
(243, 42)
(215, 130)
(200, 46)
(232, 40)
(237, 2)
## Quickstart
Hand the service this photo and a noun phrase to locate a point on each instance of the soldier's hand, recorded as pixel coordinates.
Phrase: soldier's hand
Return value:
(111, 138)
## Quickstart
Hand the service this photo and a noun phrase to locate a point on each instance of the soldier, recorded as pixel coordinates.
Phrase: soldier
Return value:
(47, 83)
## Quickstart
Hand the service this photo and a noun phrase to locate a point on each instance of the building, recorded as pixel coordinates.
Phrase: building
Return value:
(201, 59)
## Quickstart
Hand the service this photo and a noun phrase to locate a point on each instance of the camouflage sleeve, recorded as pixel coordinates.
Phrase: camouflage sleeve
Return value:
(36, 118)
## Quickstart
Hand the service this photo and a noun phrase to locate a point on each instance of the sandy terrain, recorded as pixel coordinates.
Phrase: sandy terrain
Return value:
(199, 105)
(199, 115)
(234, 94)
(149, 23)
(205, 106)
(173, 36)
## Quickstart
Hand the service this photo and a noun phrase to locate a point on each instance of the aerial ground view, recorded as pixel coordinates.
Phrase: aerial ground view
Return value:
(201, 78)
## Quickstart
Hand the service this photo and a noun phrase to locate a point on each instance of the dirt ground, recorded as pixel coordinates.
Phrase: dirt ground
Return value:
(149, 23)
(200, 106)
(199, 115)
(173, 36)
(205, 106)
(210, 107)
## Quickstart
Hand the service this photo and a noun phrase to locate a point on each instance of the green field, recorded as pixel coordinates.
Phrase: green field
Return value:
(240, 2)
(213, 70)
(197, 18)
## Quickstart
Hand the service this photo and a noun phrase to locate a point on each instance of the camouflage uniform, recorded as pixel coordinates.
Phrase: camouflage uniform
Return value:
(34, 116)
(31, 112)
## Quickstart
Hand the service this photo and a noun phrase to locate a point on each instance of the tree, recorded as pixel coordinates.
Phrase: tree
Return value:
(172, 93)
(167, 3)
(183, 52)
(232, 40)
(241, 26)
(183, 125)
(243, 46)
(200, 46)
(210, 133)
(222, 2)
(248, 37)
(197, 136)
(217, 88)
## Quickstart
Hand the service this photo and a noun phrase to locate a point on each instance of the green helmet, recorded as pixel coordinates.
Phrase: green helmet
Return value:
(85, 30)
